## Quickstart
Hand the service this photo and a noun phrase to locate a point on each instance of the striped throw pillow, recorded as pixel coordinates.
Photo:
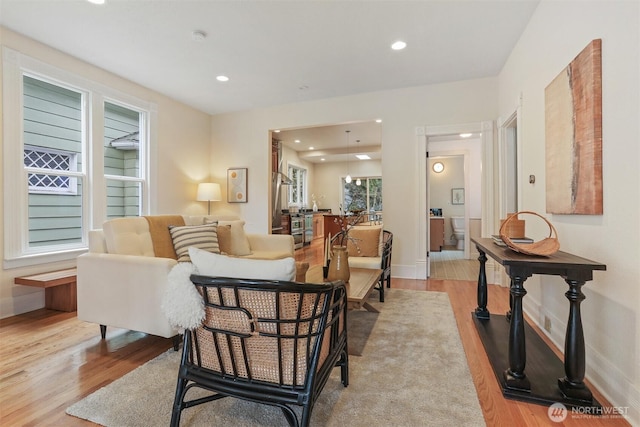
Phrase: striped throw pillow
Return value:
(203, 237)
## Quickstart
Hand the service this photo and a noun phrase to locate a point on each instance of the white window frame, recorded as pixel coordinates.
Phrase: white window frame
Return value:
(142, 178)
(17, 252)
(302, 188)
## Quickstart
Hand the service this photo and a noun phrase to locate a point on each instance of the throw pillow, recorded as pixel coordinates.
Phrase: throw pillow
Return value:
(367, 241)
(224, 239)
(211, 264)
(201, 236)
(239, 241)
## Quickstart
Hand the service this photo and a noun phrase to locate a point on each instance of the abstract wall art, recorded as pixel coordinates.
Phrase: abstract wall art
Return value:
(237, 185)
(573, 136)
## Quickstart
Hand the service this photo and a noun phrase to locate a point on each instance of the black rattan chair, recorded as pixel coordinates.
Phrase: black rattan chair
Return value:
(264, 341)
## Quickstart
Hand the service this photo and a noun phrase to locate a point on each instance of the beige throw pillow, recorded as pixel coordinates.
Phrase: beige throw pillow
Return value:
(239, 241)
(367, 241)
(200, 236)
(224, 239)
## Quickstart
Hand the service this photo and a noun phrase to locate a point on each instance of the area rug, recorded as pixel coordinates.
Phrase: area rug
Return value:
(407, 367)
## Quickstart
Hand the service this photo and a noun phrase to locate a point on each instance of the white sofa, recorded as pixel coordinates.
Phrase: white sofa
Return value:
(121, 281)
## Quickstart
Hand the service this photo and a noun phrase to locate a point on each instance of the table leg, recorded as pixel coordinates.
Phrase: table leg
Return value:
(508, 314)
(481, 311)
(515, 376)
(370, 308)
(572, 385)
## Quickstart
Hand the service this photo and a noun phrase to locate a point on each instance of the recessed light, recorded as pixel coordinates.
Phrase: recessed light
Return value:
(399, 45)
(311, 148)
(297, 141)
(96, 1)
(322, 159)
(438, 167)
(277, 131)
(465, 135)
(363, 157)
(222, 78)
(378, 120)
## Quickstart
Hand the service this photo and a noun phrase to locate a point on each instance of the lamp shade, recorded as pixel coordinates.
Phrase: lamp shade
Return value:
(208, 191)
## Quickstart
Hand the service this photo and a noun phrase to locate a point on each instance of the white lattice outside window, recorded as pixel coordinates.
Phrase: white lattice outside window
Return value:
(54, 160)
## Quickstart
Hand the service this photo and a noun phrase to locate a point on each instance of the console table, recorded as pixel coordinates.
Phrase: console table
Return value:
(508, 340)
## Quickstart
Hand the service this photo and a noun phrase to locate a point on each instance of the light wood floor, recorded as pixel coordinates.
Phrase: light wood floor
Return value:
(451, 264)
(49, 360)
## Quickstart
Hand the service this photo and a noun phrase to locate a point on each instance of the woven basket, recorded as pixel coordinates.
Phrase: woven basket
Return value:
(548, 246)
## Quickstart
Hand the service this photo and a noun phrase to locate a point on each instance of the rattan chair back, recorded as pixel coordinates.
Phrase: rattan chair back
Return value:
(266, 341)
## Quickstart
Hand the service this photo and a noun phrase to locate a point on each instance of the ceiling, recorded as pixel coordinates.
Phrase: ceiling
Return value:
(332, 144)
(278, 52)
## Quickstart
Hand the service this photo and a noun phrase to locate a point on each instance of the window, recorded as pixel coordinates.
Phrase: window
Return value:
(42, 158)
(298, 187)
(75, 153)
(123, 175)
(53, 138)
(364, 197)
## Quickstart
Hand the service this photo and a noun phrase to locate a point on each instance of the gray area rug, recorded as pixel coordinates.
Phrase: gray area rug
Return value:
(407, 367)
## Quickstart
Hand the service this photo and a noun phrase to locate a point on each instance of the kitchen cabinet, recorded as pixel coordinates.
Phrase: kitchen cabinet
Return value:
(437, 234)
(318, 226)
(330, 225)
(286, 224)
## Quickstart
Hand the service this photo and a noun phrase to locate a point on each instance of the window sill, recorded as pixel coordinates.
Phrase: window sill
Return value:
(36, 259)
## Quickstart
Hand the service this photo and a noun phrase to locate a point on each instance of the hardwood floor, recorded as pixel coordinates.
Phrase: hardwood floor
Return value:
(451, 264)
(49, 360)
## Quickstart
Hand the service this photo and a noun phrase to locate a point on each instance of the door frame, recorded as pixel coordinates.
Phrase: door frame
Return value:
(507, 136)
(487, 130)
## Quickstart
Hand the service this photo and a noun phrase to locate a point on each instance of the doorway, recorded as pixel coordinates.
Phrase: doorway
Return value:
(509, 159)
(478, 163)
(448, 252)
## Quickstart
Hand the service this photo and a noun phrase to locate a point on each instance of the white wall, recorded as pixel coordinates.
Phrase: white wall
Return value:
(182, 160)
(440, 186)
(557, 32)
(243, 139)
(473, 149)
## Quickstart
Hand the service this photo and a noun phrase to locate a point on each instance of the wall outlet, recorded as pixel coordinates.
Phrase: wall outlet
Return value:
(547, 324)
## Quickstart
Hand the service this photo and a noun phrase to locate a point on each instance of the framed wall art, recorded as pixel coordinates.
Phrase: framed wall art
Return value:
(457, 196)
(237, 185)
(573, 136)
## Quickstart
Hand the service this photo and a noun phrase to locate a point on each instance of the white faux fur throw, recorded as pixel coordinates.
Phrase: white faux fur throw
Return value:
(182, 304)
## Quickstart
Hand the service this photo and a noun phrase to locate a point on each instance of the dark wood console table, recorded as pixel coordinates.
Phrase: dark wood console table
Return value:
(547, 379)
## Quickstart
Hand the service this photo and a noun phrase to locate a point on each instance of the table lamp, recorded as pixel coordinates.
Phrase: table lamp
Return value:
(208, 192)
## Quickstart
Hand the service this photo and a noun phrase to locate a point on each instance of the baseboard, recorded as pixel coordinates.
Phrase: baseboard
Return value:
(418, 271)
(21, 304)
(614, 385)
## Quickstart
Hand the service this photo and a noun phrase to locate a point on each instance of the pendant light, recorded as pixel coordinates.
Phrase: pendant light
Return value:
(358, 182)
(348, 178)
